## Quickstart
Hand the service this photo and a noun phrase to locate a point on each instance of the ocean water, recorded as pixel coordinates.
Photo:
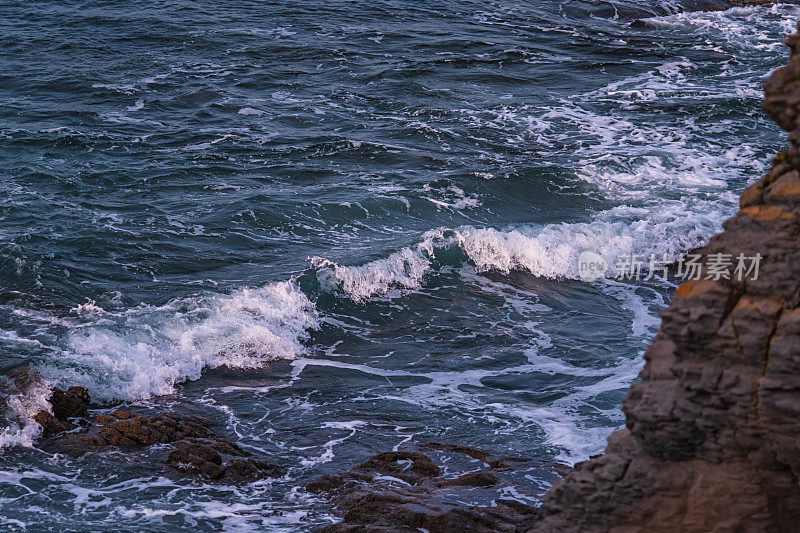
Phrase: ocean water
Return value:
(340, 228)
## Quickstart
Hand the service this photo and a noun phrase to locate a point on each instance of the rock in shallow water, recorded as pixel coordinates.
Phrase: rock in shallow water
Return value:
(406, 491)
(196, 452)
(71, 403)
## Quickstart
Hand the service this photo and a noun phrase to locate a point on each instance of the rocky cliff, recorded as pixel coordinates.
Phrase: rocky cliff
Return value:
(712, 441)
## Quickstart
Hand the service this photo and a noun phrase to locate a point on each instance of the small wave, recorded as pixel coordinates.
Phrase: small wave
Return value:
(147, 350)
(139, 105)
(403, 269)
(550, 251)
(450, 197)
(250, 111)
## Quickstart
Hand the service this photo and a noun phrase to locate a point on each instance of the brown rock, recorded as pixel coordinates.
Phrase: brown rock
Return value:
(196, 451)
(204, 458)
(403, 491)
(66, 404)
(419, 466)
(103, 420)
(197, 459)
(51, 425)
(752, 195)
(481, 455)
(329, 483)
(506, 515)
(785, 189)
(249, 470)
(72, 403)
(472, 479)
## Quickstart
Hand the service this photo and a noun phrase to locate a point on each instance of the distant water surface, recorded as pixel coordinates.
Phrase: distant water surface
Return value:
(382, 200)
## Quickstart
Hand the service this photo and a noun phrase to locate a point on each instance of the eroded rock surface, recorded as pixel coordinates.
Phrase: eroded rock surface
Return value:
(712, 441)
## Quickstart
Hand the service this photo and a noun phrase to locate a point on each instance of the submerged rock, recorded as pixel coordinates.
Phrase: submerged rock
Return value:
(712, 441)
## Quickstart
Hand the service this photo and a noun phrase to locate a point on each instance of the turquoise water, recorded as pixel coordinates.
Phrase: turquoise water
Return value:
(335, 229)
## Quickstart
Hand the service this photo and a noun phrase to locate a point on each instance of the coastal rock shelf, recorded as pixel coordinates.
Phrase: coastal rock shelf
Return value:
(713, 430)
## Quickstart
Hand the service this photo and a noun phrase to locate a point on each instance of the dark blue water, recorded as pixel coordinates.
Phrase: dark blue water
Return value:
(338, 228)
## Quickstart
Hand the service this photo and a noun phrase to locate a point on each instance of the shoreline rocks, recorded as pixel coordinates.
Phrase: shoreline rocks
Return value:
(194, 451)
(406, 491)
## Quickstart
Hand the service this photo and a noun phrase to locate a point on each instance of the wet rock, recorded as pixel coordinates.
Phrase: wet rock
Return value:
(71, 403)
(65, 404)
(196, 459)
(713, 426)
(328, 483)
(411, 467)
(506, 515)
(472, 479)
(126, 429)
(406, 491)
(195, 451)
(249, 470)
(491, 460)
(51, 425)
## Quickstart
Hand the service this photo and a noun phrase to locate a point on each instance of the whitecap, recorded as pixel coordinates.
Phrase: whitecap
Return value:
(146, 351)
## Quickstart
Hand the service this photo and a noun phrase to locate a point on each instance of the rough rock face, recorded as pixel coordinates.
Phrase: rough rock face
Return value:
(193, 449)
(713, 428)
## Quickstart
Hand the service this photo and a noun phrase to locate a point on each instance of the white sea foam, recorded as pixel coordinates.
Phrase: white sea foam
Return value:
(147, 350)
(741, 27)
(139, 105)
(451, 197)
(403, 269)
(250, 111)
(352, 427)
(22, 407)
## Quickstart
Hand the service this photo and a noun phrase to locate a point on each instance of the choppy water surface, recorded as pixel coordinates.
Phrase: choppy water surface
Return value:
(338, 228)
